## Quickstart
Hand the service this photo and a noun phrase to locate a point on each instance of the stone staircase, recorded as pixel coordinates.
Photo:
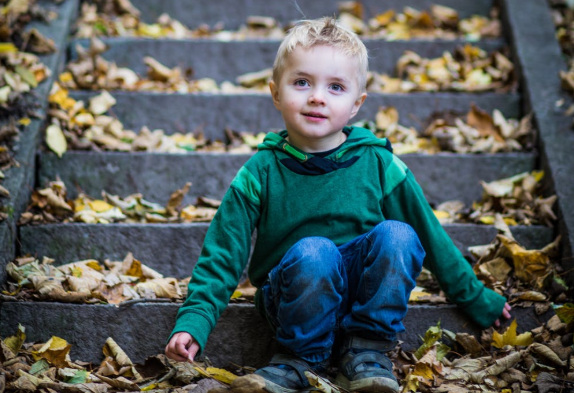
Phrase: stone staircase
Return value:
(241, 336)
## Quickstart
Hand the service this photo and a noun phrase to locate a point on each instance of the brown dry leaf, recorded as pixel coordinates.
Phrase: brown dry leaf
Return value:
(119, 383)
(159, 288)
(483, 122)
(530, 266)
(469, 343)
(251, 383)
(547, 355)
(175, 199)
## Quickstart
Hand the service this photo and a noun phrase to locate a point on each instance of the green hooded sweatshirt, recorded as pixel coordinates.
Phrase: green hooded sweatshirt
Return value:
(287, 194)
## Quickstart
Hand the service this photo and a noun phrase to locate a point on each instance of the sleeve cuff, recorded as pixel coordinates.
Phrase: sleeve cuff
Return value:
(486, 309)
(196, 325)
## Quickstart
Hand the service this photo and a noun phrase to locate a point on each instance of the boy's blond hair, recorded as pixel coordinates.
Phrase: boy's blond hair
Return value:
(323, 31)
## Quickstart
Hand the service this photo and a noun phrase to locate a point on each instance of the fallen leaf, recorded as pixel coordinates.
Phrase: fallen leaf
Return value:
(56, 140)
(511, 338)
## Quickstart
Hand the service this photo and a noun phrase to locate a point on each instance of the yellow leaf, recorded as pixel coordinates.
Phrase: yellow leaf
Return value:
(510, 338)
(530, 266)
(411, 383)
(565, 313)
(151, 30)
(221, 375)
(135, 269)
(79, 205)
(510, 221)
(76, 271)
(100, 206)
(54, 351)
(432, 335)
(66, 77)
(236, 294)
(441, 214)
(94, 265)
(14, 343)
(149, 387)
(487, 220)
(423, 370)
(56, 140)
(25, 121)
(7, 47)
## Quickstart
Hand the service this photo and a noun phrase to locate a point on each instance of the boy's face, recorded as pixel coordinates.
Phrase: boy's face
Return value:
(318, 92)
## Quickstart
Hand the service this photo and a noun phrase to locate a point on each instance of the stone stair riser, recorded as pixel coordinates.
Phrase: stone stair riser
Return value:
(212, 113)
(442, 177)
(225, 61)
(241, 336)
(173, 249)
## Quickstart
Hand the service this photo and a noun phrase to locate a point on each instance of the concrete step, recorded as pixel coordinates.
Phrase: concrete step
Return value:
(225, 61)
(241, 336)
(212, 113)
(237, 11)
(20, 179)
(541, 62)
(442, 176)
(173, 249)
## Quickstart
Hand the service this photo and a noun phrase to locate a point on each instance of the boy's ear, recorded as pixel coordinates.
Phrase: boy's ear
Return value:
(274, 93)
(358, 104)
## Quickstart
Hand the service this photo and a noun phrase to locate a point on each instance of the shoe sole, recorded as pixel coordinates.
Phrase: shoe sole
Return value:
(275, 388)
(368, 385)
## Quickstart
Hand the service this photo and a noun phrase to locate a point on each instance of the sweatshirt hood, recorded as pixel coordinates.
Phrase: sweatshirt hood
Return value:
(356, 137)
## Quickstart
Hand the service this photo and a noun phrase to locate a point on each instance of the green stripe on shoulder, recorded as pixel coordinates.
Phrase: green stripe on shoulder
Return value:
(395, 174)
(248, 185)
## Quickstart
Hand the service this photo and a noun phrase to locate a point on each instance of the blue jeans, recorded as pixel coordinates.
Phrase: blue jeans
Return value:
(360, 288)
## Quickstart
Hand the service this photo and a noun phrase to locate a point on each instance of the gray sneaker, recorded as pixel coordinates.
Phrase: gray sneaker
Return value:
(365, 367)
(286, 374)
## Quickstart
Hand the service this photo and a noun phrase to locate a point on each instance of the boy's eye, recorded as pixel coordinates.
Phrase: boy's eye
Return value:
(337, 87)
(301, 82)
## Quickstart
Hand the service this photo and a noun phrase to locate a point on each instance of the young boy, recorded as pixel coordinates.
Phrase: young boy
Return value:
(342, 230)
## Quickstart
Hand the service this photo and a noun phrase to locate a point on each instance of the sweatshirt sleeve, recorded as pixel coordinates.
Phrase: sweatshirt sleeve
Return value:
(222, 260)
(404, 201)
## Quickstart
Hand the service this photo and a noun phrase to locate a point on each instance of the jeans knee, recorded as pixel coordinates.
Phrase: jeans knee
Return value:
(398, 237)
(396, 233)
(312, 257)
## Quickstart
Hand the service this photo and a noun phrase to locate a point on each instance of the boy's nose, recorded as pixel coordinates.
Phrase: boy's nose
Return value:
(316, 98)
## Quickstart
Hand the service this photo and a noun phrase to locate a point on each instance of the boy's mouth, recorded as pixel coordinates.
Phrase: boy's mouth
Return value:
(314, 115)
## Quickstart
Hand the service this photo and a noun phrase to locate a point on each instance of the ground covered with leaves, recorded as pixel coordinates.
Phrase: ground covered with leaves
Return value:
(536, 361)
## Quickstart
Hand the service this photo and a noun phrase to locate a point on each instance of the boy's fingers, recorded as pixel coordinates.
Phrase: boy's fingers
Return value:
(193, 349)
(176, 357)
(181, 345)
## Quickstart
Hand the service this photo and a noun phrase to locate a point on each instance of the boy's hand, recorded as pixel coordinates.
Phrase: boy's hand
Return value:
(182, 347)
(505, 314)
